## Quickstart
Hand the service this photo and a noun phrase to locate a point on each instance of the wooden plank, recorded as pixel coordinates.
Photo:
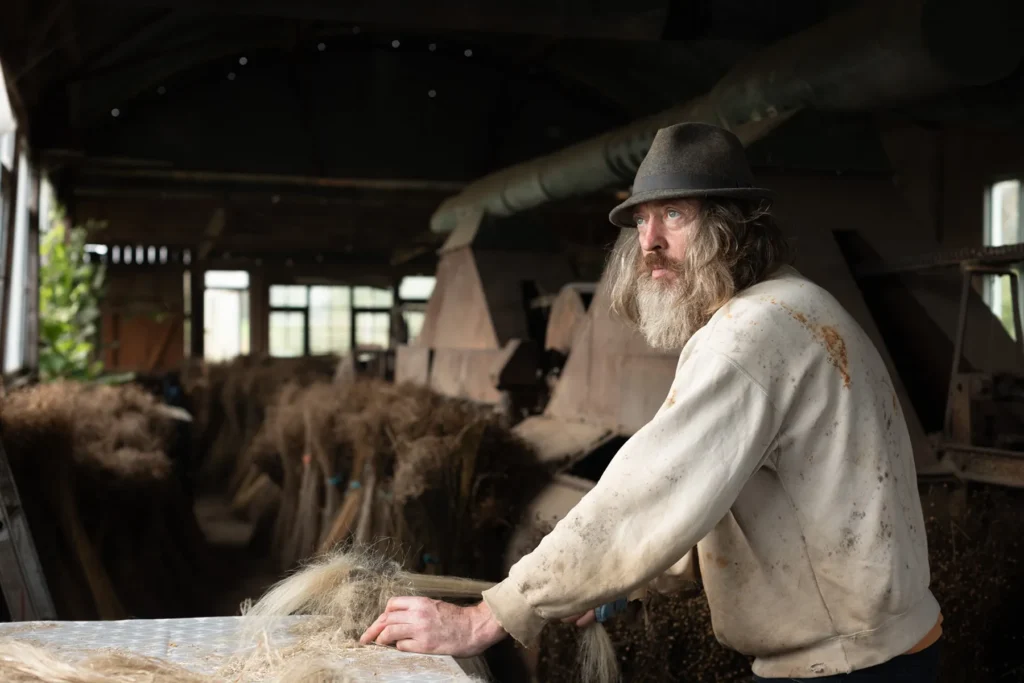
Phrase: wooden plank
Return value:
(567, 314)
(548, 508)
(165, 339)
(412, 364)
(503, 276)
(465, 373)
(561, 442)
(457, 315)
(10, 211)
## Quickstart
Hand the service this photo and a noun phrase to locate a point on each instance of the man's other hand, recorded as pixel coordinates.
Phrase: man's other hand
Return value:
(581, 620)
(434, 627)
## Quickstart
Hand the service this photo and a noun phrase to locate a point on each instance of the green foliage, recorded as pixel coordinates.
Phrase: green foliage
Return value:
(69, 294)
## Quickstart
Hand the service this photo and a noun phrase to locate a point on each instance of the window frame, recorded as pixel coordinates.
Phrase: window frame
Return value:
(992, 285)
(354, 312)
(303, 310)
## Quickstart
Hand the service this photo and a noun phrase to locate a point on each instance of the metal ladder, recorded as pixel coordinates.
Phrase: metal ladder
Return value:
(21, 574)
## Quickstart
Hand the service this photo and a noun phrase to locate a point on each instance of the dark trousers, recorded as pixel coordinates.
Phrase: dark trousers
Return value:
(920, 667)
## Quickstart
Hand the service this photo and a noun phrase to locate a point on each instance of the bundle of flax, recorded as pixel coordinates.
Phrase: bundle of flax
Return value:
(366, 460)
(102, 500)
(230, 401)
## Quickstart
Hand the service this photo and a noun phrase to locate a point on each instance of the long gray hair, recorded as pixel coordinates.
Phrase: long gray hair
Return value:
(733, 245)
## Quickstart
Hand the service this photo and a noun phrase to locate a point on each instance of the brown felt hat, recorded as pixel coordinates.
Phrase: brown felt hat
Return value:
(690, 160)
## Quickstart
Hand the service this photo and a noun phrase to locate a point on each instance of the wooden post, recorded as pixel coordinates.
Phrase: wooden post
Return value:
(32, 283)
(259, 313)
(10, 201)
(198, 290)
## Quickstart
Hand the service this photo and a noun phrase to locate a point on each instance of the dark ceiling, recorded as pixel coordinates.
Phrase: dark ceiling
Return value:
(390, 88)
(125, 98)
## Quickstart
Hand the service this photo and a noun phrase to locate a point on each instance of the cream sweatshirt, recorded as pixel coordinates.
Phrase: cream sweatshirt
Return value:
(781, 461)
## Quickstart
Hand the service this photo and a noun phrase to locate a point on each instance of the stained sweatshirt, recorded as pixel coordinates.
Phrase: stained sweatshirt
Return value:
(780, 463)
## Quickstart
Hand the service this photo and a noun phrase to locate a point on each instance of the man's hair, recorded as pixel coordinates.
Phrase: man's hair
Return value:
(734, 245)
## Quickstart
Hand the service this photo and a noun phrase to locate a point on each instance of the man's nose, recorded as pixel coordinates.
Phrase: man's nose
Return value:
(651, 236)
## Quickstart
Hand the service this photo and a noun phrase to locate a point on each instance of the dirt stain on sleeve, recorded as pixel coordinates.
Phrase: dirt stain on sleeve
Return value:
(671, 400)
(830, 338)
(836, 348)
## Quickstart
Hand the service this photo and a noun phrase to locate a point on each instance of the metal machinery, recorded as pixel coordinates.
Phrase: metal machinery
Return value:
(982, 436)
(481, 338)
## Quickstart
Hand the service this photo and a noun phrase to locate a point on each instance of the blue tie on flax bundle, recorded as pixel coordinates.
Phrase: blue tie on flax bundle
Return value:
(609, 609)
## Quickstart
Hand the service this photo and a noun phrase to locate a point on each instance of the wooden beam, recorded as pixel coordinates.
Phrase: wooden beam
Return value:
(197, 308)
(391, 184)
(642, 20)
(143, 34)
(37, 50)
(70, 42)
(92, 97)
(214, 229)
(7, 241)
(17, 102)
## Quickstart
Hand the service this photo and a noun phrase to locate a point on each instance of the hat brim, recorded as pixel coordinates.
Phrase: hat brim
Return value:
(622, 216)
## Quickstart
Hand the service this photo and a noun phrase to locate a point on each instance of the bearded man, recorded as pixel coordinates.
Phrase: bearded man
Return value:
(780, 463)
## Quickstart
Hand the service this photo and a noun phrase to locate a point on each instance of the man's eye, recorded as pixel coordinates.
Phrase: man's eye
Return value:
(672, 213)
(638, 220)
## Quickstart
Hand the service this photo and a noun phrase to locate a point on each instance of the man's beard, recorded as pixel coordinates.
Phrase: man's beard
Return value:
(671, 310)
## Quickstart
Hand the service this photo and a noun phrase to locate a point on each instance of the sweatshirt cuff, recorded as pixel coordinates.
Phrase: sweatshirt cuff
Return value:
(514, 613)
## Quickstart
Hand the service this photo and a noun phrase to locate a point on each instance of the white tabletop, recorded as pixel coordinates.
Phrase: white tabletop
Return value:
(205, 644)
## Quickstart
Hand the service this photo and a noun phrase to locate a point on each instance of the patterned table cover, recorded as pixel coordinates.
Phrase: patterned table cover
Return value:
(205, 644)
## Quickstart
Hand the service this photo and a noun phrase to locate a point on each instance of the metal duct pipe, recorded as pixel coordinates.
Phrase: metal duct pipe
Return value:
(878, 53)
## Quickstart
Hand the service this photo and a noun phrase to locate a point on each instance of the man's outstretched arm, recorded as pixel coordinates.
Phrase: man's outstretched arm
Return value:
(665, 490)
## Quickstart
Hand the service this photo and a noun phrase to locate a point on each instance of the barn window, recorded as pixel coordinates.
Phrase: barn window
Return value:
(1002, 227)
(373, 330)
(414, 292)
(372, 319)
(310, 319)
(330, 319)
(225, 314)
(416, 287)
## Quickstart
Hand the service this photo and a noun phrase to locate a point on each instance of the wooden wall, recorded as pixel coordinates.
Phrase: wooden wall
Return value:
(142, 315)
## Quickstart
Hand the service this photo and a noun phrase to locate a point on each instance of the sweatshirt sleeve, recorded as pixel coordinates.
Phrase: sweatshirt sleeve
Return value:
(665, 489)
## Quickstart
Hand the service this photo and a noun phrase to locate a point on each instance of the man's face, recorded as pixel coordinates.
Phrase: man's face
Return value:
(664, 229)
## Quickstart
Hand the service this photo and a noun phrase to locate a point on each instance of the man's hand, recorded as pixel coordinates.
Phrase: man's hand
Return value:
(435, 627)
(581, 620)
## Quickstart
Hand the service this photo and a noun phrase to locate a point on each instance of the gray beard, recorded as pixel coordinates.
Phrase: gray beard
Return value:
(665, 322)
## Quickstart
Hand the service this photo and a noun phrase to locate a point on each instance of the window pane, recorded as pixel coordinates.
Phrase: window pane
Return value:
(416, 287)
(288, 296)
(414, 321)
(14, 353)
(1003, 228)
(226, 323)
(1000, 300)
(1005, 214)
(7, 148)
(373, 330)
(286, 334)
(329, 320)
(227, 279)
(372, 297)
